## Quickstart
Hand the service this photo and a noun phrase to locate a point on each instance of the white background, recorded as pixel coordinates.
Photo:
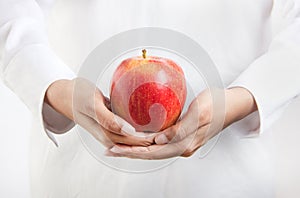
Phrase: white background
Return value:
(14, 141)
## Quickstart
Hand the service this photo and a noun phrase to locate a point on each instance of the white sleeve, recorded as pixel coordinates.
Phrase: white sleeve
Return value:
(27, 64)
(274, 78)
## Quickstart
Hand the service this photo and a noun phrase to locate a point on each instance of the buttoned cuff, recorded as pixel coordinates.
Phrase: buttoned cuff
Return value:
(29, 74)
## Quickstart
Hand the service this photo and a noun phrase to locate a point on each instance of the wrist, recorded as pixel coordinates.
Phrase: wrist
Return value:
(59, 97)
(239, 104)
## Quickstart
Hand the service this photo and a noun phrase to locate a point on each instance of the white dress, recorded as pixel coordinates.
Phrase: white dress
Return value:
(252, 42)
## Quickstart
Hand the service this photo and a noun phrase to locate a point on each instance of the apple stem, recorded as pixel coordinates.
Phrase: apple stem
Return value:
(144, 53)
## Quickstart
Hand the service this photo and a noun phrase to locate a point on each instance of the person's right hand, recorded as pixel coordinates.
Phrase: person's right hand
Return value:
(84, 103)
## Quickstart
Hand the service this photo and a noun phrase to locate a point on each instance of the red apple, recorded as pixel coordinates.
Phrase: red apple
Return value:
(148, 92)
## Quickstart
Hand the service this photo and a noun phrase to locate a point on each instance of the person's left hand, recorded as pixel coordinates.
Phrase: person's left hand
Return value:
(196, 127)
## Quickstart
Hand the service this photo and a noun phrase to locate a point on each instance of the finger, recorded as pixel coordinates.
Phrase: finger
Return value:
(196, 140)
(189, 123)
(109, 139)
(94, 129)
(199, 138)
(89, 100)
(117, 130)
(137, 152)
(119, 126)
(184, 148)
(110, 121)
(129, 140)
(151, 152)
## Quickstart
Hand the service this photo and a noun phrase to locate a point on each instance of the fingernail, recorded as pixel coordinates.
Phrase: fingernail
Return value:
(116, 150)
(161, 139)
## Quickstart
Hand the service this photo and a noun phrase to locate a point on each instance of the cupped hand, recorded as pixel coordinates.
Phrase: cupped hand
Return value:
(82, 102)
(205, 118)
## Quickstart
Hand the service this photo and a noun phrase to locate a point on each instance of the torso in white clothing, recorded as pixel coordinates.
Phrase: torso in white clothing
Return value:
(234, 33)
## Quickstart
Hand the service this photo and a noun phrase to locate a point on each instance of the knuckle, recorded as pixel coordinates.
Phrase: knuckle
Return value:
(172, 133)
(111, 125)
(148, 142)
